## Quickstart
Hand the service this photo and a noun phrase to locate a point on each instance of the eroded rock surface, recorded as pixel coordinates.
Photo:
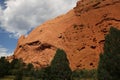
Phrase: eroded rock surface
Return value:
(80, 32)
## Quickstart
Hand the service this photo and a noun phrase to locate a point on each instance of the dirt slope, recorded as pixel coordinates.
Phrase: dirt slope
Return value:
(80, 32)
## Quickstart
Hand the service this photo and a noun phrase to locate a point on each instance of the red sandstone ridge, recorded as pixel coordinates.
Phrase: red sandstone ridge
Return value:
(80, 32)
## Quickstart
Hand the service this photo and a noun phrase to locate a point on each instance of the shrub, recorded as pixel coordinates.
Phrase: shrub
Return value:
(84, 74)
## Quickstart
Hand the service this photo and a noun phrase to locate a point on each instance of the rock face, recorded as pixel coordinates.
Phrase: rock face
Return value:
(80, 32)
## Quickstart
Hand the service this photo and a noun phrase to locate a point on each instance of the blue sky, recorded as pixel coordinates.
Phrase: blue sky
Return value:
(6, 41)
(19, 17)
(2, 4)
(7, 44)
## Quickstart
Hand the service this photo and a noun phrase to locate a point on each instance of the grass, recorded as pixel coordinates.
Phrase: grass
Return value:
(8, 78)
(29, 78)
(12, 78)
(83, 79)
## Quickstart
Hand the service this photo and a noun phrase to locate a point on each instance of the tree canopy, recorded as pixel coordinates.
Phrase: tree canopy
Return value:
(109, 64)
(60, 66)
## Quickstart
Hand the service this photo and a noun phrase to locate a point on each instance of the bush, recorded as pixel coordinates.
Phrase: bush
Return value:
(28, 70)
(19, 75)
(84, 74)
(42, 74)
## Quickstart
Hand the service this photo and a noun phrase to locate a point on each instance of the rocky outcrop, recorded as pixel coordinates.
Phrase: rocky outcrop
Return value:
(80, 32)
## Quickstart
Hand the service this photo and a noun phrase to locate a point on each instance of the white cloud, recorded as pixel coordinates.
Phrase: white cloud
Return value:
(22, 15)
(0, 11)
(4, 51)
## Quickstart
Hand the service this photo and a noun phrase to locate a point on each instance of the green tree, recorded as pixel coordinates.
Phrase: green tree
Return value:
(30, 67)
(16, 65)
(19, 75)
(109, 64)
(29, 70)
(59, 68)
(4, 67)
(43, 74)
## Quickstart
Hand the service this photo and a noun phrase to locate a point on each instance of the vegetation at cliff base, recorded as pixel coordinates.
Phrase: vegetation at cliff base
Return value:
(109, 64)
(58, 70)
(84, 74)
(17, 69)
(60, 66)
(108, 67)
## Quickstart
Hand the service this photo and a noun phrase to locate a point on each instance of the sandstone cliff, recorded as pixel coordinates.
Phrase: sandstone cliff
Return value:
(80, 32)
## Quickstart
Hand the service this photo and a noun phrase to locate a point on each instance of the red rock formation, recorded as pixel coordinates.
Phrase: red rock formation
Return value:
(80, 32)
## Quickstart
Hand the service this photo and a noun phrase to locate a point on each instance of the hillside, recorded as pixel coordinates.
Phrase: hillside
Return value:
(80, 32)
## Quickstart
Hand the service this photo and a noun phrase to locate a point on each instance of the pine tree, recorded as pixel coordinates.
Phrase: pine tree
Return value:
(109, 64)
(59, 68)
